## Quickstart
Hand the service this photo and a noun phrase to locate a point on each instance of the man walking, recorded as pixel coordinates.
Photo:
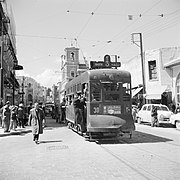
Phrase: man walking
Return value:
(36, 120)
(6, 114)
(63, 111)
(21, 115)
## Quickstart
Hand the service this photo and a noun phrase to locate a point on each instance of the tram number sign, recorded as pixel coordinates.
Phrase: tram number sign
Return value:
(95, 109)
(104, 64)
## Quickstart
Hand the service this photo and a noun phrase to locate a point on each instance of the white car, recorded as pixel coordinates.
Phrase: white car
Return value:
(164, 114)
(175, 120)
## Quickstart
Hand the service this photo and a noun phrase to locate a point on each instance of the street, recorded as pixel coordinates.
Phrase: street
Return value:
(152, 153)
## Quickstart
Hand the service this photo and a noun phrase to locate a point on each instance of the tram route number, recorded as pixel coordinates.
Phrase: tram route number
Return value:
(96, 110)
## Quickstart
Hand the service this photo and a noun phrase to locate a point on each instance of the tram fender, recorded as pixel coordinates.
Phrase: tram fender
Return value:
(105, 120)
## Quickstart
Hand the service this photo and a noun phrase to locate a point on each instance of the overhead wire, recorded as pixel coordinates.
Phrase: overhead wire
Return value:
(130, 25)
(85, 25)
(160, 28)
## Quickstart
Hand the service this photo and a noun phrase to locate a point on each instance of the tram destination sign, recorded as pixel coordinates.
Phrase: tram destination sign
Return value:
(104, 64)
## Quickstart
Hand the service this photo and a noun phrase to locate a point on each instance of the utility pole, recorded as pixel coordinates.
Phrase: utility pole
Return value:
(138, 42)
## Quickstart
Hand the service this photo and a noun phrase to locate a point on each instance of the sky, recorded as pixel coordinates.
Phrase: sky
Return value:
(44, 28)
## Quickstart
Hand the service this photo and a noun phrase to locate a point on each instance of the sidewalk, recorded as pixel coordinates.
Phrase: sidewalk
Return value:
(18, 131)
(50, 123)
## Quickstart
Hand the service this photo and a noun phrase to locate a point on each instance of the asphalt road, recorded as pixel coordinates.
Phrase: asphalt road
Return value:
(152, 153)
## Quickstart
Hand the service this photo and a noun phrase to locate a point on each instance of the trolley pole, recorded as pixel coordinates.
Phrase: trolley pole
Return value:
(138, 42)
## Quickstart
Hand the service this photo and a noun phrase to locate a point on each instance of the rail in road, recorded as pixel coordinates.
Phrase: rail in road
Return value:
(149, 156)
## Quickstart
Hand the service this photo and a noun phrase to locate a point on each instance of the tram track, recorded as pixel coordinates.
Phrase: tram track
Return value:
(137, 168)
(142, 149)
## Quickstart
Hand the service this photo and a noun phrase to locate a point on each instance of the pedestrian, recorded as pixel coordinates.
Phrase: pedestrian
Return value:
(63, 111)
(1, 111)
(13, 119)
(36, 120)
(57, 113)
(177, 108)
(6, 116)
(134, 112)
(82, 112)
(154, 119)
(21, 116)
(29, 107)
(76, 104)
(173, 107)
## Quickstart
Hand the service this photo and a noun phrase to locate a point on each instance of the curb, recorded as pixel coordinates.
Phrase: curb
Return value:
(15, 133)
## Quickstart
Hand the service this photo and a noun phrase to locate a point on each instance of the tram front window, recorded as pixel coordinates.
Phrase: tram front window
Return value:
(95, 92)
(111, 91)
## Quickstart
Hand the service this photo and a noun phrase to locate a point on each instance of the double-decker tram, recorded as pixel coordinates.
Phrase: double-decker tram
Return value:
(107, 112)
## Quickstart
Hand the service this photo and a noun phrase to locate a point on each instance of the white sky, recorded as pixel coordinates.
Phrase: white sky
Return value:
(44, 28)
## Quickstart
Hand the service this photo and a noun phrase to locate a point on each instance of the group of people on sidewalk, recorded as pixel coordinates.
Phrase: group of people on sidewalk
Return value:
(12, 117)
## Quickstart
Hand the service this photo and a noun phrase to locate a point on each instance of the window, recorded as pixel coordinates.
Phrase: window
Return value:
(30, 98)
(144, 108)
(72, 74)
(148, 108)
(111, 91)
(72, 56)
(29, 85)
(152, 70)
(95, 91)
(126, 91)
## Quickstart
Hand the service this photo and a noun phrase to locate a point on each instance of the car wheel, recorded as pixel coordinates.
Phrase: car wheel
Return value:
(178, 125)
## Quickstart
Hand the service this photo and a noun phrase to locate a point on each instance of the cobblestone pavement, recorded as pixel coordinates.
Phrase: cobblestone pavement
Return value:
(63, 154)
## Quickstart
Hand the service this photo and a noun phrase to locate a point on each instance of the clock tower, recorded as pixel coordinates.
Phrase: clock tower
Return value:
(69, 67)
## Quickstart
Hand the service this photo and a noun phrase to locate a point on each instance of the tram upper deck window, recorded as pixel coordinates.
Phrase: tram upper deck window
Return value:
(95, 91)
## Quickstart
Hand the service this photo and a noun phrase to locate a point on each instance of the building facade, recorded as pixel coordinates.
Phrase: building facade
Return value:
(30, 91)
(160, 74)
(8, 61)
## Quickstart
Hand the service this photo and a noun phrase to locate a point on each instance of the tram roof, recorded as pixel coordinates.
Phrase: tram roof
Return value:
(101, 74)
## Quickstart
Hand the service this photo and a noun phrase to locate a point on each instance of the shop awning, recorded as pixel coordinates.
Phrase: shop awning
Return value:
(153, 96)
(136, 91)
(172, 63)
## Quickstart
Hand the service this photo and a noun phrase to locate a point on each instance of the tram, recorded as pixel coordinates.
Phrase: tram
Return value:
(108, 111)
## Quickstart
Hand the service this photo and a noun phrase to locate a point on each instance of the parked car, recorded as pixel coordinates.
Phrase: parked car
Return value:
(175, 120)
(164, 114)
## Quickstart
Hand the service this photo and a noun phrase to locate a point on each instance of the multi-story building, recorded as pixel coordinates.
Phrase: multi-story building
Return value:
(8, 60)
(161, 74)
